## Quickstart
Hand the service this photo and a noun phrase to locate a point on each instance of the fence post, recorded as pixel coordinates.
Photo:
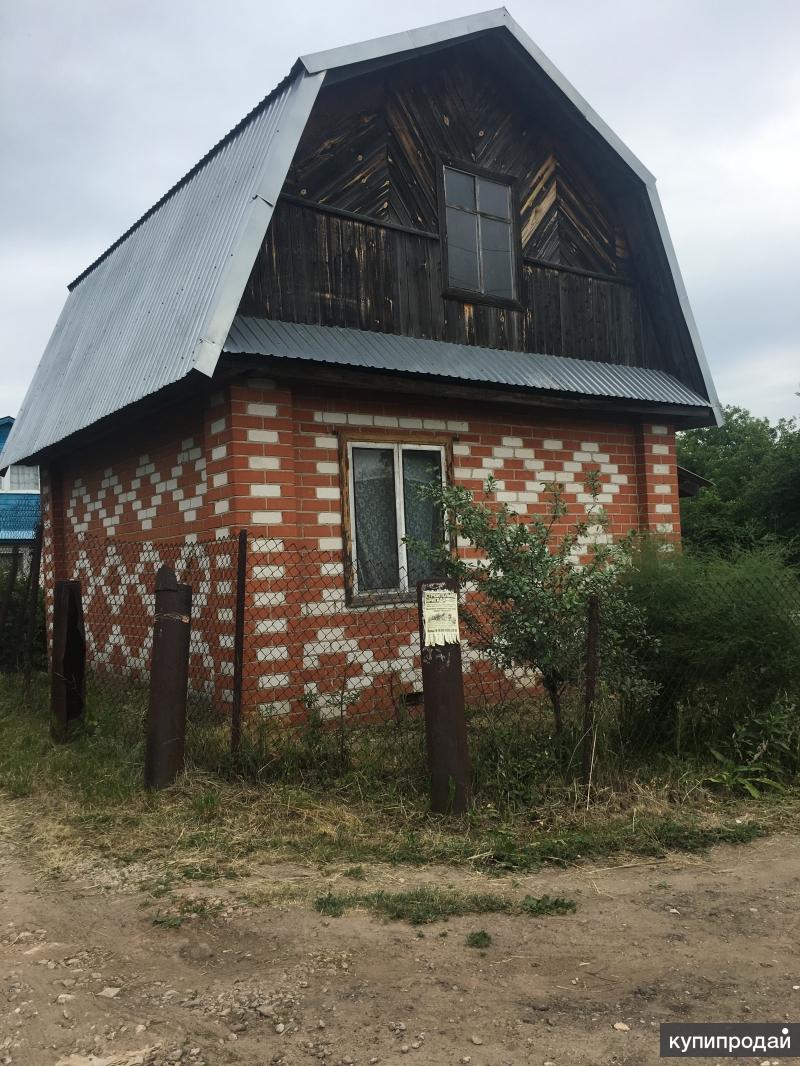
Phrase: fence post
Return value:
(32, 606)
(443, 693)
(592, 666)
(238, 645)
(13, 570)
(169, 678)
(68, 669)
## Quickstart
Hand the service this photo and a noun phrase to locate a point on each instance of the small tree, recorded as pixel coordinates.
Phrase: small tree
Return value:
(531, 585)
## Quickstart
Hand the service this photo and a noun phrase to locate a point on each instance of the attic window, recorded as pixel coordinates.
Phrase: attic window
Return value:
(480, 235)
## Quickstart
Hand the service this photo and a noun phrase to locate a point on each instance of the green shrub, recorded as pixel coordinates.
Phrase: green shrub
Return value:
(724, 655)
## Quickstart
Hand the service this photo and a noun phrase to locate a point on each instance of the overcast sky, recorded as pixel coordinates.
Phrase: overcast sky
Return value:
(105, 104)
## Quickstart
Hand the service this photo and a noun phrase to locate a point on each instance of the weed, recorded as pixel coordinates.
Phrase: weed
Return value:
(429, 903)
(479, 939)
(355, 873)
(540, 905)
(168, 921)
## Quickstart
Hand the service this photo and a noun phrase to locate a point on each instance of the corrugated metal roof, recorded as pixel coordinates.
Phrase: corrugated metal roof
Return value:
(159, 303)
(19, 515)
(462, 362)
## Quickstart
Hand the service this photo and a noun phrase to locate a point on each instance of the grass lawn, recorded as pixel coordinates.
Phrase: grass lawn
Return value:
(86, 799)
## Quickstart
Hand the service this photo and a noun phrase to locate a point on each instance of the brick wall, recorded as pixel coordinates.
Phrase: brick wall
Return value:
(266, 457)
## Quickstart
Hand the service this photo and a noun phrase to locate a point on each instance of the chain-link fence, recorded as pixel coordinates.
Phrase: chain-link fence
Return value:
(293, 676)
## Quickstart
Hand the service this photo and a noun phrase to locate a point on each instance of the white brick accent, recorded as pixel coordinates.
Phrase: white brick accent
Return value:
(324, 492)
(217, 425)
(265, 490)
(661, 468)
(219, 452)
(460, 449)
(329, 518)
(218, 480)
(659, 431)
(262, 410)
(663, 508)
(433, 423)
(386, 421)
(264, 462)
(410, 423)
(458, 427)
(660, 449)
(662, 490)
(330, 543)
(221, 506)
(552, 445)
(325, 442)
(512, 442)
(267, 518)
(262, 436)
(361, 420)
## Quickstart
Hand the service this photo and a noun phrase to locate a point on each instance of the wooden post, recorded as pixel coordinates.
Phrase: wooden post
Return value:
(169, 677)
(32, 606)
(238, 645)
(68, 668)
(592, 666)
(443, 691)
(11, 584)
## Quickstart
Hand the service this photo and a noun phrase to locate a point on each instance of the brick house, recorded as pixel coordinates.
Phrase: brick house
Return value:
(419, 257)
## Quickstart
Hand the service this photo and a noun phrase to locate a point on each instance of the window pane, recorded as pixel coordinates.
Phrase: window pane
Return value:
(462, 249)
(497, 260)
(459, 189)
(494, 198)
(423, 517)
(375, 518)
(23, 478)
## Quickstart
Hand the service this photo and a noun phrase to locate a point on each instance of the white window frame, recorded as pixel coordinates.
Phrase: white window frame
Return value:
(398, 447)
(5, 483)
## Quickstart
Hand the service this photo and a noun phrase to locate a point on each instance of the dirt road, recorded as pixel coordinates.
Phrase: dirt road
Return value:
(87, 977)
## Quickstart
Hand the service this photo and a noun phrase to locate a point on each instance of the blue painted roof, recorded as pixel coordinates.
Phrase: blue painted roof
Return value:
(19, 515)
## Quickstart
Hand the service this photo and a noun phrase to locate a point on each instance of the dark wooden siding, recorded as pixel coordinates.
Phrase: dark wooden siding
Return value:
(365, 275)
(354, 240)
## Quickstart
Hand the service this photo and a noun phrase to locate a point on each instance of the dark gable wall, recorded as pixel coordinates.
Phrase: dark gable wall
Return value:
(373, 149)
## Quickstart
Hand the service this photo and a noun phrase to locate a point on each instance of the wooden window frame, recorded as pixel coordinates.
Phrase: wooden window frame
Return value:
(348, 440)
(474, 295)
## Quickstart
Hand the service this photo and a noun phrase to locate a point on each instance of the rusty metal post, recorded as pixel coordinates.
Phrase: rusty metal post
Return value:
(590, 692)
(169, 677)
(443, 692)
(68, 666)
(32, 606)
(238, 645)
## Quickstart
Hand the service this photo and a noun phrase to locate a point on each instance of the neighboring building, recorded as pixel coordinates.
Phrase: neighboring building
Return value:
(19, 502)
(421, 256)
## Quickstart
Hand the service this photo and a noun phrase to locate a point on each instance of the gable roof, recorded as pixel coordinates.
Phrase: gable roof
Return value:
(159, 303)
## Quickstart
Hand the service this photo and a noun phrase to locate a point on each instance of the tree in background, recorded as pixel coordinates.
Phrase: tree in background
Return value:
(754, 500)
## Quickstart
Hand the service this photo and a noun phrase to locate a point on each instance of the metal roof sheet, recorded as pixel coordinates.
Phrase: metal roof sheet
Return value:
(462, 362)
(159, 302)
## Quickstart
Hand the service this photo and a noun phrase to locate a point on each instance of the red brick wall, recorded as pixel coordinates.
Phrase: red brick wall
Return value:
(266, 457)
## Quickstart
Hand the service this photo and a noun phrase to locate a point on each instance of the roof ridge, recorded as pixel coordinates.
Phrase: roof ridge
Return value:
(213, 151)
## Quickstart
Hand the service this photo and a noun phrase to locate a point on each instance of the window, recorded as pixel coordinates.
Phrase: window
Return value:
(480, 235)
(20, 479)
(385, 507)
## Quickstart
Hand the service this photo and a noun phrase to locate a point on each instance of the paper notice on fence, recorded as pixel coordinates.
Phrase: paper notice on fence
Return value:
(440, 617)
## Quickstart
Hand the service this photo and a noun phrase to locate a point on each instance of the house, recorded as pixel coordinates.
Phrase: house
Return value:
(19, 503)
(418, 257)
